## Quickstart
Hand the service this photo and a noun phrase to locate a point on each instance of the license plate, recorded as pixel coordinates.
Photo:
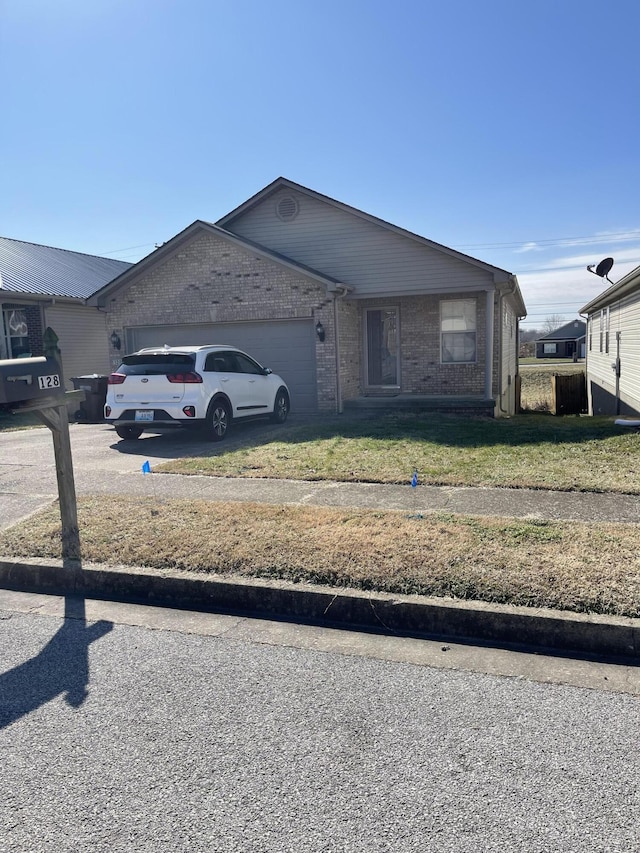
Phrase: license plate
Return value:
(144, 414)
(52, 381)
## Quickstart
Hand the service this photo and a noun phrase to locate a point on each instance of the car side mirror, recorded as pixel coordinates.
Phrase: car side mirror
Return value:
(267, 371)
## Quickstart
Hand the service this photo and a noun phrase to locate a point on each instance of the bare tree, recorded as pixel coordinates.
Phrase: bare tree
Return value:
(552, 322)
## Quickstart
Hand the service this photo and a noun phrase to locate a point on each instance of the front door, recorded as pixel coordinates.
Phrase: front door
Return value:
(382, 348)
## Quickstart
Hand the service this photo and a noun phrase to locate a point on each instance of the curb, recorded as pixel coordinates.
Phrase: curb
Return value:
(550, 631)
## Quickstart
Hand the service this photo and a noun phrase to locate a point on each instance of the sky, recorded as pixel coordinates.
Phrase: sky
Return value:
(505, 129)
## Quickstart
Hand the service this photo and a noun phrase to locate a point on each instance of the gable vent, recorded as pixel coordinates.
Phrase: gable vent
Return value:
(287, 208)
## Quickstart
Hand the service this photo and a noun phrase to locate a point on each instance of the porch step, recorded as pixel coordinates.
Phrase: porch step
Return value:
(416, 403)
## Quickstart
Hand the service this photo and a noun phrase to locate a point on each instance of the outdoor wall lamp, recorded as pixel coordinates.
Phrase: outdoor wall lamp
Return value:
(115, 340)
(320, 331)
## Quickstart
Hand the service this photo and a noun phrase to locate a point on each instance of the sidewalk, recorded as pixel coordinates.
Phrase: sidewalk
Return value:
(520, 503)
(611, 638)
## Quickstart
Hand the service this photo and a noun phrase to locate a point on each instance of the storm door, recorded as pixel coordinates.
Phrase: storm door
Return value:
(382, 348)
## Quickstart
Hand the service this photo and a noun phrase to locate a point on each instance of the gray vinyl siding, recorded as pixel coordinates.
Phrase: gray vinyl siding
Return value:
(625, 319)
(353, 250)
(82, 340)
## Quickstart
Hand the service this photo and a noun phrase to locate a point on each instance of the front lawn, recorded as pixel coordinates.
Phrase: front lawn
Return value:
(528, 451)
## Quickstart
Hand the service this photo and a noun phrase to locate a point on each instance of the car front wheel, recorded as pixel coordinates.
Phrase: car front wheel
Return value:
(218, 421)
(129, 432)
(280, 407)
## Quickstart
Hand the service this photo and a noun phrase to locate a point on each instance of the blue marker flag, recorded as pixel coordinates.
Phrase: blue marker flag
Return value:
(414, 480)
(146, 468)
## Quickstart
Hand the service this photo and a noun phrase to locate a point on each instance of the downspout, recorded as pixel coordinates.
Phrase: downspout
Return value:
(500, 395)
(336, 296)
(488, 371)
(504, 293)
(588, 331)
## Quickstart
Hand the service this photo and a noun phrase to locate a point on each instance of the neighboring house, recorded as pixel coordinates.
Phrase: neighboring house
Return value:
(566, 342)
(613, 348)
(347, 308)
(43, 287)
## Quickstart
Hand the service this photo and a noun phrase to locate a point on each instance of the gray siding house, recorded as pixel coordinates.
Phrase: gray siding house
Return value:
(41, 287)
(613, 348)
(566, 342)
(350, 310)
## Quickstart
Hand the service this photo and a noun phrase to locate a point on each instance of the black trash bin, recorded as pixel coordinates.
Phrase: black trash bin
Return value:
(91, 410)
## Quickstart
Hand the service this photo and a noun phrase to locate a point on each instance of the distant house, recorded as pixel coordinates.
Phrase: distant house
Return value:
(42, 287)
(566, 342)
(613, 350)
(351, 310)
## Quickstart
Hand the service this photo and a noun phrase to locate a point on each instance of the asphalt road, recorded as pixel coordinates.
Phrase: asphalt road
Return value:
(197, 733)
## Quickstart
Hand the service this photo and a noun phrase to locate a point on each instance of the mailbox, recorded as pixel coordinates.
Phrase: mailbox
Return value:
(29, 379)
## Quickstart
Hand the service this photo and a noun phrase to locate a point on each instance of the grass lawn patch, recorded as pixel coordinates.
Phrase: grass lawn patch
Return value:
(537, 451)
(565, 566)
(9, 421)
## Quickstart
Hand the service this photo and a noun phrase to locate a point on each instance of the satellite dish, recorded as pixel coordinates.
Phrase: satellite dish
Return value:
(603, 269)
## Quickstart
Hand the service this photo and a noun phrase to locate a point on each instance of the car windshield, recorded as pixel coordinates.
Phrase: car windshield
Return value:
(150, 364)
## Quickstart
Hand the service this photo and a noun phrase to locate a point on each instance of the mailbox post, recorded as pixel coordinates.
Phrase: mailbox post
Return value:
(35, 385)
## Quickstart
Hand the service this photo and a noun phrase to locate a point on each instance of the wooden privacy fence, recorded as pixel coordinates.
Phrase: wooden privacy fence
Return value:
(568, 393)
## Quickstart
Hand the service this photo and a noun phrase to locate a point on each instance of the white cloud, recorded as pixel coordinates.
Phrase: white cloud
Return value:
(563, 285)
(528, 247)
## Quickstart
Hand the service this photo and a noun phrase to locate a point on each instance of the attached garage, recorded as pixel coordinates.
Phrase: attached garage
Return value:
(285, 346)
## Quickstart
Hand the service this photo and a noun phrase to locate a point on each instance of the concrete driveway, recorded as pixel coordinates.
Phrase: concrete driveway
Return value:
(101, 462)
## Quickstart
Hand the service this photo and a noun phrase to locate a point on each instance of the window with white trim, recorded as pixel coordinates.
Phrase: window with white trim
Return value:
(601, 329)
(458, 340)
(550, 349)
(16, 332)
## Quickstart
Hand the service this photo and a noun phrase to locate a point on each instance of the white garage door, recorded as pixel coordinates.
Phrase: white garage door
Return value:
(286, 346)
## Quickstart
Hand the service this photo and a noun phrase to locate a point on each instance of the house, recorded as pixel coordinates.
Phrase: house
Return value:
(566, 342)
(613, 348)
(43, 287)
(351, 310)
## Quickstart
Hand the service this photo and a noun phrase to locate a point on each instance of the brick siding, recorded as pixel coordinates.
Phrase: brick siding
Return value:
(211, 280)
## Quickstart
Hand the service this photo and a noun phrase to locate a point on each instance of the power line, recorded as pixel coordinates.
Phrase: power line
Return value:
(127, 249)
(631, 234)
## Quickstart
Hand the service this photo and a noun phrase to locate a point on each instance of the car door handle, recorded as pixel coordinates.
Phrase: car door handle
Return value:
(252, 380)
(224, 379)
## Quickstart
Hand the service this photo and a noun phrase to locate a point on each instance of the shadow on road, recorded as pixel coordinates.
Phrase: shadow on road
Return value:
(61, 667)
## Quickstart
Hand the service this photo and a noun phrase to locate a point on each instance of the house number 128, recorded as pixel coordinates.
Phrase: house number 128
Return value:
(52, 381)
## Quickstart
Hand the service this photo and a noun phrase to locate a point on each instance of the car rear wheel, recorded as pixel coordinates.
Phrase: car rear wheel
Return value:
(129, 432)
(218, 420)
(280, 407)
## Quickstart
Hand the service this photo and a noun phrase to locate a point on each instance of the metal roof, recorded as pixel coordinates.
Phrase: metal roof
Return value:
(32, 269)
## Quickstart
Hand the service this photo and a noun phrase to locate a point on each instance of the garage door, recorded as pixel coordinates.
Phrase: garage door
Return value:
(286, 346)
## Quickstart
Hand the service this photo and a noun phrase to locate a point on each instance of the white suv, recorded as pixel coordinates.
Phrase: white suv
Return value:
(205, 386)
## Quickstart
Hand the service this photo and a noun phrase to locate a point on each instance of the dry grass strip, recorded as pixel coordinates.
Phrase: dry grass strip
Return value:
(562, 565)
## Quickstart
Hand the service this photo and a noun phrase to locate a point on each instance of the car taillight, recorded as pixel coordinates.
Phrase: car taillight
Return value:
(190, 411)
(107, 411)
(190, 378)
(116, 379)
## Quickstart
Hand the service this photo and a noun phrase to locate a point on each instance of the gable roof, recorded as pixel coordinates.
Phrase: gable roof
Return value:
(190, 231)
(29, 268)
(569, 332)
(285, 183)
(627, 284)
